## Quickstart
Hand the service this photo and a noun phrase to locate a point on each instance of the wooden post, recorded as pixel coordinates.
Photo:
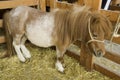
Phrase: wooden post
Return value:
(2, 39)
(42, 5)
(53, 4)
(94, 4)
(1, 23)
(86, 58)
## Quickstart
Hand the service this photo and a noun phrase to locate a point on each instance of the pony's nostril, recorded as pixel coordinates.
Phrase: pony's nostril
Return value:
(99, 53)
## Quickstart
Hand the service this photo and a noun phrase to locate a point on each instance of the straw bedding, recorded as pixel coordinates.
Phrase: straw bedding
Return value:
(41, 67)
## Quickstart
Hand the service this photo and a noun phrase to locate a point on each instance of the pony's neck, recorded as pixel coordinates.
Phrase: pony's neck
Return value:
(78, 25)
(70, 25)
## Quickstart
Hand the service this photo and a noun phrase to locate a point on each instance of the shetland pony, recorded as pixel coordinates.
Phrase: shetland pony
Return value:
(58, 28)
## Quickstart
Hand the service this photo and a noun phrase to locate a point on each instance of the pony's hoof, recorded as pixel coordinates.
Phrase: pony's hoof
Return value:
(59, 67)
(28, 56)
(61, 70)
(22, 60)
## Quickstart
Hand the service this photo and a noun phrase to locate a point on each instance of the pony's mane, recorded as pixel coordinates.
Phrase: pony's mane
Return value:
(72, 23)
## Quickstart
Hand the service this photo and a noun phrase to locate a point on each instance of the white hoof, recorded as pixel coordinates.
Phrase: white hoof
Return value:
(18, 51)
(26, 52)
(21, 58)
(59, 66)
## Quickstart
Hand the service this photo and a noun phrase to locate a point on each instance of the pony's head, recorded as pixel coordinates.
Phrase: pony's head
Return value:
(99, 28)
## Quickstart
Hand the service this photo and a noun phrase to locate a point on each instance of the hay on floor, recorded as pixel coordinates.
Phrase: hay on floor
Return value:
(41, 67)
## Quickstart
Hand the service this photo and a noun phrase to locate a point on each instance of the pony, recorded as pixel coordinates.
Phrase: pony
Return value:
(59, 28)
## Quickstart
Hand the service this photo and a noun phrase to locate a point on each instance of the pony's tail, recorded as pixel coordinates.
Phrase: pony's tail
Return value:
(10, 49)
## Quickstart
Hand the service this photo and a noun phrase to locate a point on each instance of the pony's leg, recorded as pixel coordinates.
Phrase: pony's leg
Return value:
(25, 51)
(16, 44)
(60, 61)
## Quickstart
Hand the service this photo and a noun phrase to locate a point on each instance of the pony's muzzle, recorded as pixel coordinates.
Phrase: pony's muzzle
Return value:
(98, 53)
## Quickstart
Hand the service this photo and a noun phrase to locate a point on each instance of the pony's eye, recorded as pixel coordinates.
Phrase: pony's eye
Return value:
(95, 35)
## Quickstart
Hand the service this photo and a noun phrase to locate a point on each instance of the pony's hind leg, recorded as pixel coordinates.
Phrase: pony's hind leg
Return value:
(16, 44)
(60, 60)
(25, 51)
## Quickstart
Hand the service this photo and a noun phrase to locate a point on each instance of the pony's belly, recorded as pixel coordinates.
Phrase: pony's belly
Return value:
(40, 35)
(39, 32)
(41, 39)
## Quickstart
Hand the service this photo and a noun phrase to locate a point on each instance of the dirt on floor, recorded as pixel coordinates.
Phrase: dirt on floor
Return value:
(41, 67)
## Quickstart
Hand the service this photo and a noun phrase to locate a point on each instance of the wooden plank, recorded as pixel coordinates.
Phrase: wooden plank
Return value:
(112, 51)
(42, 5)
(1, 23)
(73, 55)
(52, 4)
(15, 3)
(48, 3)
(106, 71)
(86, 59)
(2, 39)
(112, 56)
(112, 15)
(116, 40)
(94, 4)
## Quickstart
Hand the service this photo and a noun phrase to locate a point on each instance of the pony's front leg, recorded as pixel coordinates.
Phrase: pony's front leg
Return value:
(60, 60)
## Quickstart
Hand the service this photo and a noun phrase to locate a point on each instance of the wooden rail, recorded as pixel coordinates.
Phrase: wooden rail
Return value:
(107, 71)
(14, 3)
(116, 40)
(113, 57)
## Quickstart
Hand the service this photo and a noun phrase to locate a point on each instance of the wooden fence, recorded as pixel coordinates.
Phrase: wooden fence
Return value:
(85, 60)
(14, 3)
